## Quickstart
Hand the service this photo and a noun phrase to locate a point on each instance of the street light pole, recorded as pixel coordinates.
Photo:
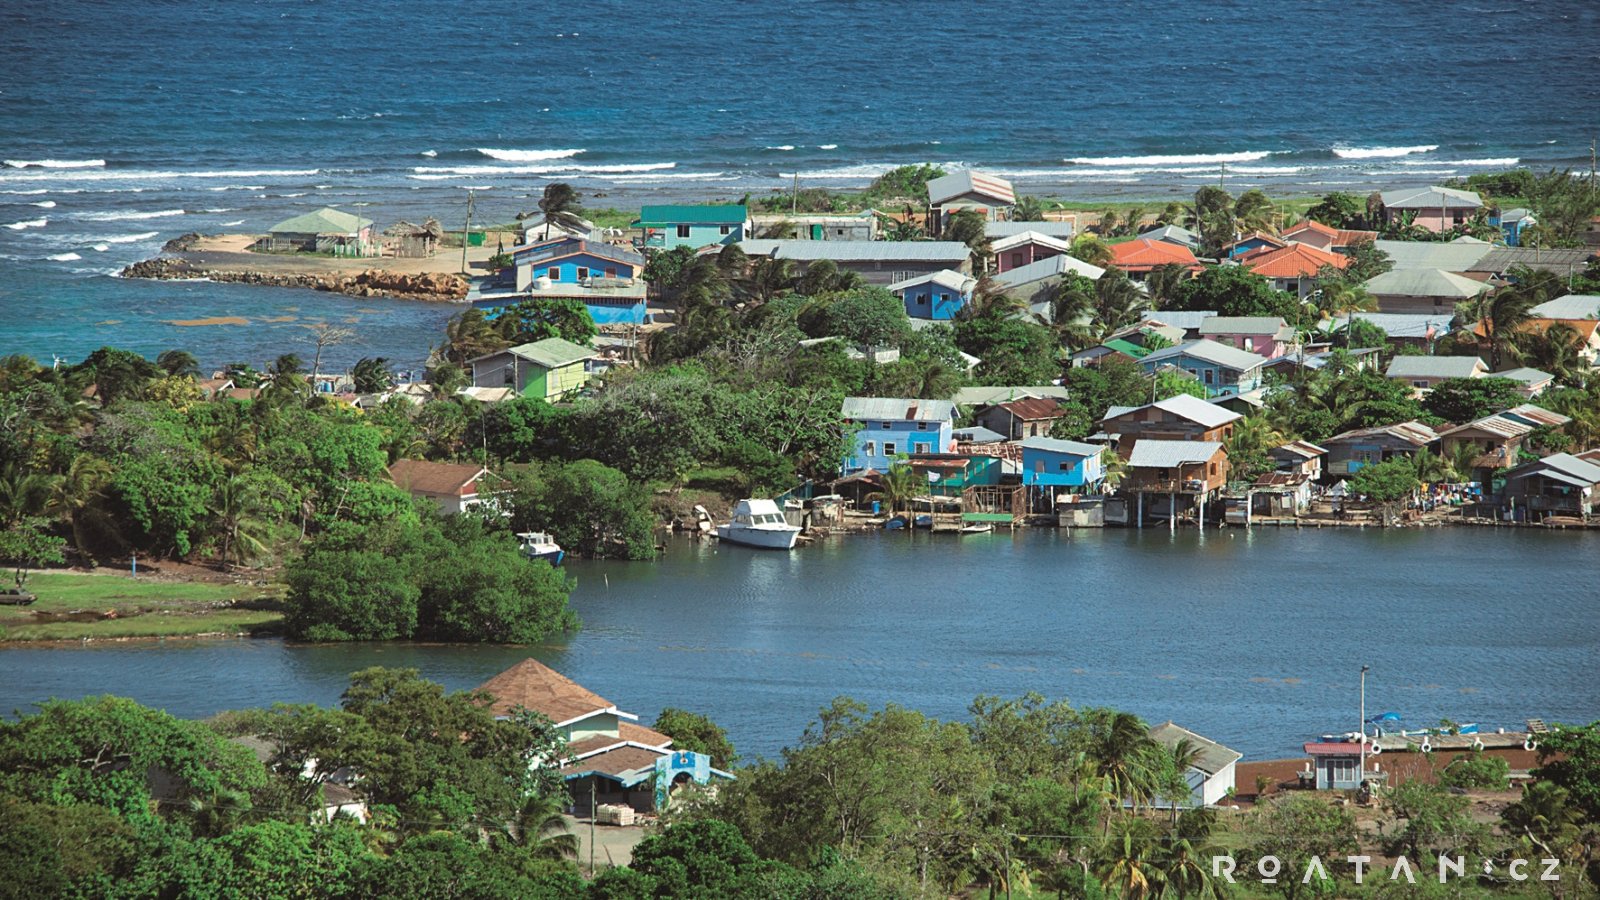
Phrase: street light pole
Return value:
(1363, 773)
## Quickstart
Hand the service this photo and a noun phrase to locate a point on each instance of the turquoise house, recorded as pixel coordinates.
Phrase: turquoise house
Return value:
(937, 296)
(669, 226)
(1224, 371)
(609, 280)
(1057, 463)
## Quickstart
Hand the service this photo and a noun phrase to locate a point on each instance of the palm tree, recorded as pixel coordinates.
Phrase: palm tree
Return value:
(1113, 467)
(968, 227)
(1090, 249)
(904, 228)
(1253, 211)
(178, 362)
(1028, 209)
(1163, 283)
(1129, 869)
(1118, 302)
(1132, 220)
(1068, 307)
(371, 375)
(1431, 468)
(1108, 223)
(470, 334)
(559, 205)
(1249, 443)
(78, 493)
(1555, 349)
(900, 486)
(1337, 295)
(1501, 314)
(1546, 818)
(1212, 217)
(1122, 750)
(989, 299)
(539, 830)
(24, 493)
(765, 279)
(237, 509)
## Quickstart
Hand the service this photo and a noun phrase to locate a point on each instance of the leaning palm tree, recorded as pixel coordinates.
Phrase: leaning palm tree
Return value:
(560, 207)
(1028, 209)
(1253, 211)
(24, 493)
(1090, 249)
(1068, 306)
(79, 493)
(968, 226)
(1163, 283)
(1556, 349)
(470, 334)
(1113, 468)
(539, 829)
(178, 362)
(1123, 751)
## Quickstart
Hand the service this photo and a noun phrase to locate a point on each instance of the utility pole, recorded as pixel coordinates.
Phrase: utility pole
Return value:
(794, 194)
(465, 230)
(1363, 766)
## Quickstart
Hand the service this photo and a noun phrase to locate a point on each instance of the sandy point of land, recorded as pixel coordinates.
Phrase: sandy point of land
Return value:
(232, 251)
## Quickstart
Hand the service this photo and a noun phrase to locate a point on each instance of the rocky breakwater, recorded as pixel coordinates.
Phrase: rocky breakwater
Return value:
(439, 287)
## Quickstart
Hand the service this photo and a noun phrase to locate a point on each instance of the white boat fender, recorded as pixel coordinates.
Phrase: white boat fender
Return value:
(1477, 744)
(1426, 747)
(1375, 749)
(1530, 744)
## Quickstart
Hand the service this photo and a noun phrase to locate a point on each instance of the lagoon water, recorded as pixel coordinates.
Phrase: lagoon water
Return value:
(237, 114)
(1254, 639)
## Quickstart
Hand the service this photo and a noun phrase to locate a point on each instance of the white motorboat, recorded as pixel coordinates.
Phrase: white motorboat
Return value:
(538, 545)
(759, 523)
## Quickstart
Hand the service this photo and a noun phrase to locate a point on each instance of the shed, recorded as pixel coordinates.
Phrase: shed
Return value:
(1211, 773)
(326, 230)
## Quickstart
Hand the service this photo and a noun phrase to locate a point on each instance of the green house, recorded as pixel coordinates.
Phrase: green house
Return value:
(549, 369)
(671, 226)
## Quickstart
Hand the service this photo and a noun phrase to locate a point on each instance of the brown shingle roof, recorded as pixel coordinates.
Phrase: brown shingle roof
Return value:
(616, 762)
(422, 477)
(626, 732)
(533, 685)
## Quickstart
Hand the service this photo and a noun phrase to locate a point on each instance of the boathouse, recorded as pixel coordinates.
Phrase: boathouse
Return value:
(612, 759)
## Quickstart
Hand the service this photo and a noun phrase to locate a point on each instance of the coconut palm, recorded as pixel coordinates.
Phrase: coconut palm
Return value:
(1068, 307)
(1163, 283)
(989, 299)
(237, 508)
(470, 334)
(968, 226)
(1113, 468)
(1337, 295)
(371, 375)
(539, 830)
(1132, 220)
(1090, 249)
(1253, 211)
(1123, 751)
(904, 228)
(1109, 222)
(1501, 313)
(560, 207)
(1028, 209)
(900, 486)
(1555, 349)
(1211, 216)
(1431, 468)
(79, 494)
(25, 493)
(1118, 303)
(1128, 867)
(178, 362)
(1546, 818)
(1248, 445)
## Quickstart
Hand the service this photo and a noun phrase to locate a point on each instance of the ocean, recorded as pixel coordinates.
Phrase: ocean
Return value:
(126, 126)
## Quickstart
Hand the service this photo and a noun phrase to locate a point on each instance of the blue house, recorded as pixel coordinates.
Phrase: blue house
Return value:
(888, 427)
(1250, 243)
(1512, 223)
(1223, 370)
(609, 280)
(936, 295)
(1057, 463)
(666, 227)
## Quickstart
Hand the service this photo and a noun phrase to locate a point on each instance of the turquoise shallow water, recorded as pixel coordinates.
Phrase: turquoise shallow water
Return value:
(1252, 639)
(236, 114)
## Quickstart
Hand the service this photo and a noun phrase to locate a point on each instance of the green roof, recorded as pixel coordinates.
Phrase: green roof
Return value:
(552, 353)
(324, 221)
(1128, 348)
(662, 216)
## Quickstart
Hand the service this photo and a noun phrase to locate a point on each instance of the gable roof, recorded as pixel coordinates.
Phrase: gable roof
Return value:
(1150, 453)
(1431, 198)
(1032, 408)
(1293, 261)
(1173, 234)
(1535, 415)
(1185, 319)
(1563, 467)
(967, 181)
(531, 684)
(1435, 367)
(1426, 255)
(948, 278)
(892, 409)
(1183, 406)
(977, 434)
(663, 215)
(326, 220)
(563, 246)
(1212, 757)
(859, 251)
(1398, 325)
(1527, 375)
(1338, 237)
(1059, 230)
(1302, 449)
(419, 476)
(1049, 267)
(1028, 237)
(1425, 283)
(1572, 306)
(1273, 325)
(1053, 445)
(1560, 260)
(1271, 240)
(551, 353)
(1211, 352)
(1142, 252)
(1413, 433)
(983, 395)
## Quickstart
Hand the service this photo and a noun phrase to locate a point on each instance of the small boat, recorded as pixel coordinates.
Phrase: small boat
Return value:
(923, 521)
(979, 528)
(538, 545)
(759, 523)
(894, 524)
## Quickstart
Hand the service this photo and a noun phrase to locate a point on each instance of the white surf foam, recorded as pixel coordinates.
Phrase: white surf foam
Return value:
(867, 171)
(29, 193)
(55, 163)
(231, 224)
(44, 204)
(452, 171)
(30, 223)
(129, 216)
(672, 176)
(523, 155)
(150, 175)
(130, 238)
(101, 248)
(785, 147)
(1381, 152)
(1505, 162)
(429, 153)
(64, 257)
(827, 146)
(1196, 159)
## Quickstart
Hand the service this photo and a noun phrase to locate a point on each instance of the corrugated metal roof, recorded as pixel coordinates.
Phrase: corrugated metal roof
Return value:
(1398, 325)
(1209, 351)
(1578, 472)
(1562, 261)
(1187, 320)
(1424, 255)
(949, 278)
(968, 181)
(1184, 406)
(326, 220)
(1173, 234)
(1414, 433)
(552, 352)
(1032, 408)
(1028, 237)
(1498, 426)
(977, 434)
(1572, 306)
(664, 215)
(1244, 325)
(860, 251)
(1212, 757)
(1536, 415)
(984, 395)
(1053, 445)
(892, 409)
(1435, 367)
(1425, 283)
(1062, 230)
(1155, 454)
(1049, 267)
(1304, 449)
(1526, 375)
(1426, 198)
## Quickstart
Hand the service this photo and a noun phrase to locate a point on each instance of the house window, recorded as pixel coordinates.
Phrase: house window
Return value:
(1211, 377)
(1419, 384)
(1342, 770)
(1162, 474)
(1066, 467)
(727, 229)
(887, 426)
(922, 426)
(888, 448)
(583, 272)
(1250, 345)
(870, 448)
(1438, 301)
(553, 273)
(902, 275)
(611, 271)
(921, 448)
(509, 377)
(683, 231)
(922, 299)
(1213, 468)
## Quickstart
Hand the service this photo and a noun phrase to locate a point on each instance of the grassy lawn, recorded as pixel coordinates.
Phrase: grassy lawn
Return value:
(73, 606)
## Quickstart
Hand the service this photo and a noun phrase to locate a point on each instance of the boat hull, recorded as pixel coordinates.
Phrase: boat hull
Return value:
(760, 538)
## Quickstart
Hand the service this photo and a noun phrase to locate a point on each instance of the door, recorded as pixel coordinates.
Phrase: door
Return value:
(816, 232)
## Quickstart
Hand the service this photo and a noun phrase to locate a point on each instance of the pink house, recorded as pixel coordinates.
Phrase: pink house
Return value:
(1437, 209)
(1025, 247)
(1266, 336)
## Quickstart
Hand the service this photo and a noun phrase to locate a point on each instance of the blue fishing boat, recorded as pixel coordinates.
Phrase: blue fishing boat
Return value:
(539, 545)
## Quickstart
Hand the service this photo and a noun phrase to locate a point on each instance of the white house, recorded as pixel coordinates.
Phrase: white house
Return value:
(1210, 776)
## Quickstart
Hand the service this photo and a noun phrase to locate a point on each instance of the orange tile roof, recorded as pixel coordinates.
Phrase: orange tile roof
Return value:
(531, 684)
(1310, 225)
(1144, 254)
(1341, 237)
(1293, 261)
